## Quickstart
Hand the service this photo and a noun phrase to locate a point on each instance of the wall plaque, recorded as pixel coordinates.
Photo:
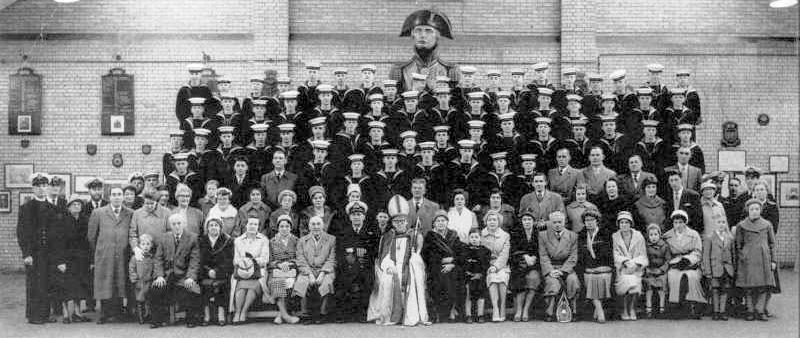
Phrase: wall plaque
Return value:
(25, 103)
(117, 117)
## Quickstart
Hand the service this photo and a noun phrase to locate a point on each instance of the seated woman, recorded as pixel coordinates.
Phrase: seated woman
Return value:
(317, 208)
(283, 267)
(316, 259)
(499, 243)
(525, 276)
(596, 259)
(440, 251)
(287, 200)
(254, 208)
(224, 211)
(630, 260)
(683, 276)
(578, 207)
(216, 267)
(251, 255)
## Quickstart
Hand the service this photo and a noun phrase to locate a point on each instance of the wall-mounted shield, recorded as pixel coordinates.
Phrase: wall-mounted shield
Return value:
(91, 149)
(116, 160)
(146, 149)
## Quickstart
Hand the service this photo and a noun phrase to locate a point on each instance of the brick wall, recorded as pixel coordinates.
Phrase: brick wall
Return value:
(738, 50)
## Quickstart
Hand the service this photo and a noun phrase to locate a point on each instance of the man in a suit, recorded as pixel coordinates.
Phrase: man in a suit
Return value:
(631, 183)
(690, 175)
(596, 174)
(564, 178)
(239, 182)
(356, 248)
(540, 202)
(680, 198)
(277, 180)
(558, 255)
(420, 207)
(108, 237)
(316, 260)
(177, 264)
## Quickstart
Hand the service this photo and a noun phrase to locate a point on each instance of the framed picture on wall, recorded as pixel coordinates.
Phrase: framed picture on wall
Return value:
(789, 194)
(80, 183)
(67, 178)
(18, 175)
(770, 179)
(5, 201)
(732, 160)
(24, 124)
(779, 164)
(24, 197)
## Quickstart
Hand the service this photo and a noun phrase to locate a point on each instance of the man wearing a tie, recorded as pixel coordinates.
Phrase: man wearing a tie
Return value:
(420, 207)
(356, 247)
(177, 265)
(680, 198)
(630, 184)
(541, 202)
(558, 255)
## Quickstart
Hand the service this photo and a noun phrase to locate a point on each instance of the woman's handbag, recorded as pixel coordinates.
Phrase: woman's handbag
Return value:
(250, 271)
(563, 309)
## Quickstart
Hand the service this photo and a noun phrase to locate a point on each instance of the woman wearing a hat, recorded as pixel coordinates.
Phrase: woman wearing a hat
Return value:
(440, 252)
(755, 249)
(630, 259)
(283, 267)
(318, 207)
(216, 264)
(685, 246)
(77, 278)
(595, 260)
(286, 202)
(524, 261)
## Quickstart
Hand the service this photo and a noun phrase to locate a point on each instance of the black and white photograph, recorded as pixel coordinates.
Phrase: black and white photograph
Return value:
(18, 175)
(24, 124)
(400, 168)
(5, 201)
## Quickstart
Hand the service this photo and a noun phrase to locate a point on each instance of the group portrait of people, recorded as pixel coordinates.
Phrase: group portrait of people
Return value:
(436, 195)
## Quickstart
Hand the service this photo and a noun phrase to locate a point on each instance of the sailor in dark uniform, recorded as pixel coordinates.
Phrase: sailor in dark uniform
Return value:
(287, 114)
(356, 175)
(390, 180)
(652, 149)
(228, 150)
(424, 167)
(529, 100)
(626, 97)
(258, 152)
(176, 146)
(256, 91)
(632, 119)
(198, 120)
(494, 78)
(439, 114)
(376, 111)
(319, 170)
(230, 114)
(210, 165)
(346, 140)
(182, 174)
(692, 100)
(503, 179)
(612, 143)
(528, 164)
(481, 148)
(390, 97)
(425, 27)
(466, 173)
(591, 99)
(340, 87)
(356, 249)
(574, 113)
(194, 88)
(569, 75)
(467, 85)
(400, 119)
(508, 139)
(373, 146)
(659, 90)
(608, 107)
(684, 140)
(295, 154)
(477, 111)
(678, 112)
(443, 149)
(518, 87)
(407, 157)
(284, 84)
(578, 145)
(308, 95)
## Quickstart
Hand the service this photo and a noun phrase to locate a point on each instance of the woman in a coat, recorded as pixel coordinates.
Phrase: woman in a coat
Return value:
(685, 246)
(755, 252)
(318, 208)
(223, 210)
(630, 260)
(77, 249)
(216, 263)
(283, 268)
(769, 212)
(250, 258)
(649, 208)
(194, 216)
(499, 243)
(497, 204)
(525, 276)
(286, 200)
(440, 251)
(610, 203)
(595, 261)
(576, 208)
(254, 208)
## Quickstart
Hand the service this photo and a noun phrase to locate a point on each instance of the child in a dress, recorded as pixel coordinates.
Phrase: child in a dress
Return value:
(655, 275)
(142, 274)
(718, 265)
(476, 258)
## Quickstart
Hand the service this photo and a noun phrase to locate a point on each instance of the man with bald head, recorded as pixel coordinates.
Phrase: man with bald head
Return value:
(558, 255)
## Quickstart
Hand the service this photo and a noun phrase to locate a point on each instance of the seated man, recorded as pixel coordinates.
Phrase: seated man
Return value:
(558, 254)
(316, 259)
(176, 266)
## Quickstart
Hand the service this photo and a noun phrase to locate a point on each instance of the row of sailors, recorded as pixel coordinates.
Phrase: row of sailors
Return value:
(335, 165)
(315, 98)
(628, 125)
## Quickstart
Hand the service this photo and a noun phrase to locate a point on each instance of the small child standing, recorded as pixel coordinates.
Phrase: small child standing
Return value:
(717, 265)
(476, 258)
(655, 275)
(141, 274)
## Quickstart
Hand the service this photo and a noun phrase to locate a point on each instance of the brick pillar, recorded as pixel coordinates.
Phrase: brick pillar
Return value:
(269, 23)
(578, 34)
